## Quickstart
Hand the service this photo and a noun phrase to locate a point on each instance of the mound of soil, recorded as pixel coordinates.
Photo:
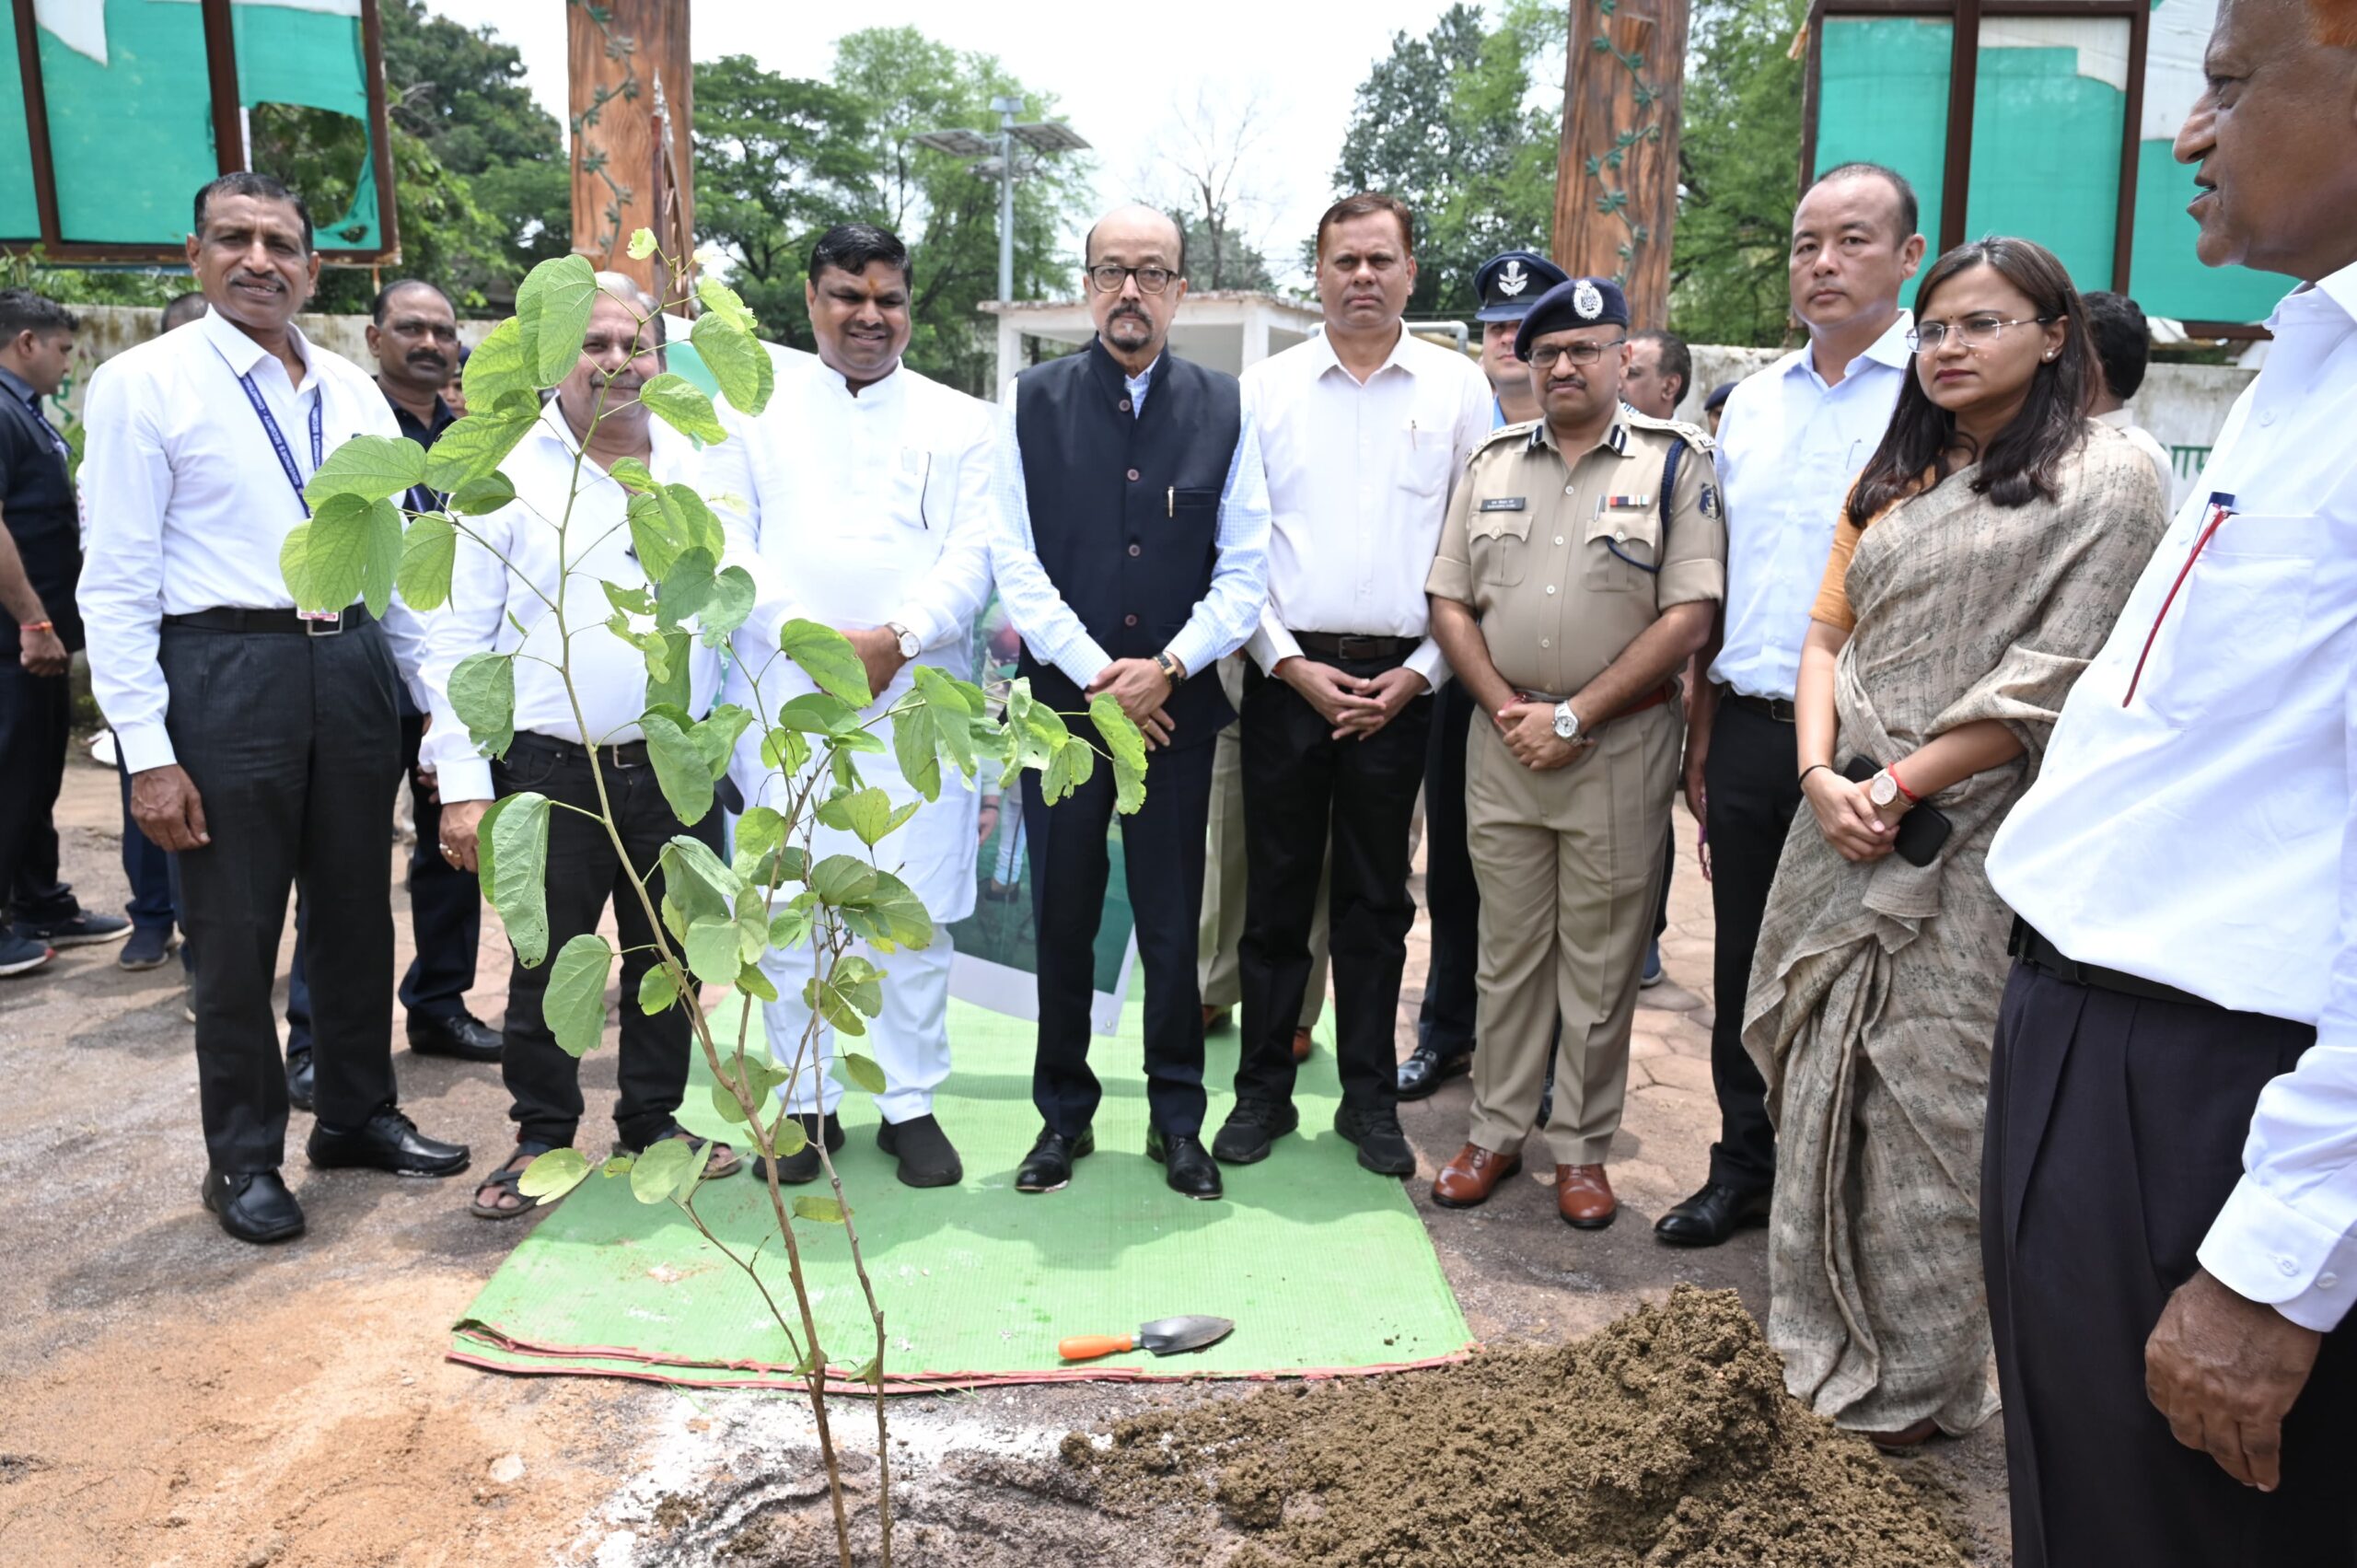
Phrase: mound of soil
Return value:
(1664, 1438)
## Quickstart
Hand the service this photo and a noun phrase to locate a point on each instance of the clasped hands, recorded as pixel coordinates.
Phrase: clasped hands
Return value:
(1529, 730)
(1859, 831)
(1139, 685)
(1357, 706)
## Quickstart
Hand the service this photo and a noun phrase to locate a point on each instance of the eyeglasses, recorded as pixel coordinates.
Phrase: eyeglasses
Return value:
(1581, 354)
(1151, 280)
(1974, 331)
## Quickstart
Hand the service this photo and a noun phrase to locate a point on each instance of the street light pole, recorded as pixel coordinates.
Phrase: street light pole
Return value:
(1038, 139)
(1008, 108)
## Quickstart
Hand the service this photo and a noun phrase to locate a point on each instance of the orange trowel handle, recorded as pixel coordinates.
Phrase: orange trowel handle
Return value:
(1088, 1347)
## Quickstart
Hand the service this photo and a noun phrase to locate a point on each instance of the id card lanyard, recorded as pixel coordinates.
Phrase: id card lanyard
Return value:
(278, 436)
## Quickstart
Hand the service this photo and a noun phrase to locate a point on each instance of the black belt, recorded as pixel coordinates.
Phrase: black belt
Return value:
(2047, 958)
(627, 754)
(1350, 646)
(350, 618)
(1777, 708)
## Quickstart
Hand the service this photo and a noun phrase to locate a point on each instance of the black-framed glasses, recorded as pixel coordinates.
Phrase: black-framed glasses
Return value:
(1973, 332)
(1108, 278)
(1544, 356)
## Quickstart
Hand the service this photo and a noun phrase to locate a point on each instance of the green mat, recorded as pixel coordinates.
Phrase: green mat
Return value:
(1325, 1268)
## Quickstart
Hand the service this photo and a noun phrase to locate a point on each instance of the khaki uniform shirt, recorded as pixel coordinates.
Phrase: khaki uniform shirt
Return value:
(1564, 557)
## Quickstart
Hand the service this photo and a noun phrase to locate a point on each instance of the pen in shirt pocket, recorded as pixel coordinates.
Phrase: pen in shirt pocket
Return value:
(1171, 502)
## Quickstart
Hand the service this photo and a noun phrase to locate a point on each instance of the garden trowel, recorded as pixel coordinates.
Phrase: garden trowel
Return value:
(1164, 1336)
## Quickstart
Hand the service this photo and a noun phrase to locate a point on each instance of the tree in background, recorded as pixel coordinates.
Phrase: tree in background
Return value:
(1738, 160)
(1203, 172)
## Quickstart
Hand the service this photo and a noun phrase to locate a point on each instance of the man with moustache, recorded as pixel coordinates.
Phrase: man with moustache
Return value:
(1131, 554)
(861, 498)
(1791, 439)
(1581, 566)
(2169, 1171)
(1365, 430)
(263, 743)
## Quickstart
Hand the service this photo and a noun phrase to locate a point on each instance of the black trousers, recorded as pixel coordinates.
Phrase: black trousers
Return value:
(583, 874)
(1299, 784)
(1162, 858)
(445, 918)
(1750, 777)
(36, 722)
(294, 743)
(2115, 1134)
(1452, 899)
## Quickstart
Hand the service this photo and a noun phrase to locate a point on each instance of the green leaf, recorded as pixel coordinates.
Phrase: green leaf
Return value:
(475, 447)
(495, 369)
(861, 981)
(367, 468)
(482, 691)
(726, 1105)
(660, 1167)
(821, 1211)
(429, 549)
(351, 548)
(916, 747)
(864, 1072)
(712, 950)
(829, 1000)
(870, 1372)
(715, 736)
(687, 588)
(629, 600)
(480, 497)
(633, 476)
(784, 751)
(514, 870)
(668, 673)
(816, 712)
(654, 535)
(553, 312)
(731, 602)
(679, 769)
(697, 525)
(841, 880)
(760, 829)
(753, 983)
(618, 1165)
(724, 302)
(691, 870)
(554, 1174)
(789, 1138)
(657, 990)
(642, 244)
(1068, 768)
(1126, 746)
(827, 657)
(575, 1004)
(674, 400)
(869, 814)
(737, 360)
(791, 926)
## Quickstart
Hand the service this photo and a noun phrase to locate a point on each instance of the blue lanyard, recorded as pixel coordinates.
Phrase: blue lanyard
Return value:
(278, 436)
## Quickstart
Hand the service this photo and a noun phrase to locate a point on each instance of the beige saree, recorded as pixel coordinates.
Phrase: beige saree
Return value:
(1874, 994)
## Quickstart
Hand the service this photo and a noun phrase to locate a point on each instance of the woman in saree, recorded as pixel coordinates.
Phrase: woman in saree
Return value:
(1982, 558)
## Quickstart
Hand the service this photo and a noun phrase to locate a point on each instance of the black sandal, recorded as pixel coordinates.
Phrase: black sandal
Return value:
(506, 1180)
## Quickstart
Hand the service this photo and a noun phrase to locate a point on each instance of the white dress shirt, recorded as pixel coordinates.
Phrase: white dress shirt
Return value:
(1224, 617)
(859, 512)
(188, 505)
(1359, 480)
(488, 601)
(2204, 833)
(2123, 419)
(1789, 448)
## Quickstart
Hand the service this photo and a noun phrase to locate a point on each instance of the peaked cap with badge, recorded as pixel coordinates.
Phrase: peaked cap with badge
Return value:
(1574, 302)
(1511, 282)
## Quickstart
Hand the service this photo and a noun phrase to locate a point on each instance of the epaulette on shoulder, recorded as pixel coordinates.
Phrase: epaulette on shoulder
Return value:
(1695, 436)
(1522, 432)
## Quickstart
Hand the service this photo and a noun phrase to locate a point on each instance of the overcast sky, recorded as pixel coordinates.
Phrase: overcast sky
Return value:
(1121, 72)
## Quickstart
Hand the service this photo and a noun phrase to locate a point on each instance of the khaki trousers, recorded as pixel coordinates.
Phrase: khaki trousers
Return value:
(1223, 923)
(1569, 864)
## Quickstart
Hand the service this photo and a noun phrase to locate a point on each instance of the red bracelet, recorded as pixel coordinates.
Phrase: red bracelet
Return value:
(1911, 796)
(36, 625)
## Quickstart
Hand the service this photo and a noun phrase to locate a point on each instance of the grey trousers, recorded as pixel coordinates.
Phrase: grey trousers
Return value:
(294, 745)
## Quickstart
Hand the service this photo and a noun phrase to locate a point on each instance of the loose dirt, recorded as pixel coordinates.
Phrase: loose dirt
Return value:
(1664, 1438)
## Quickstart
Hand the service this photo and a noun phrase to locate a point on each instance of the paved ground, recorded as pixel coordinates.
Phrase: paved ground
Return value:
(175, 1398)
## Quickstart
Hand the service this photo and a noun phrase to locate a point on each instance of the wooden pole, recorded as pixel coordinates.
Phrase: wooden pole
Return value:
(1616, 171)
(633, 104)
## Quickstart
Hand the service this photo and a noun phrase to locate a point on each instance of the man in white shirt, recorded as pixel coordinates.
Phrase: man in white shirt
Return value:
(504, 586)
(1791, 440)
(867, 501)
(264, 746)
(2123, 347)
(2169, 1171)
(1364, 430)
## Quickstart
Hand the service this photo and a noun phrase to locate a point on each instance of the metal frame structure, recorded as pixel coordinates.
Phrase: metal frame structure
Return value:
(228, 141)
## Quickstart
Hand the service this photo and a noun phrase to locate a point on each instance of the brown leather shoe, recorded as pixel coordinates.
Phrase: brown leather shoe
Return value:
(1214, 1019)
(1583, 1196)
(1301, 1045)
(1472, 1176)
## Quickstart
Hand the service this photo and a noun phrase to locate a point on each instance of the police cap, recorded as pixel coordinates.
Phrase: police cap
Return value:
(1510, 283)
(1578, 302)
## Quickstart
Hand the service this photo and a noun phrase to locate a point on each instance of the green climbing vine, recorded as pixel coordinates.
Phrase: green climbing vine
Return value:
(594, 159)
(1605, 168)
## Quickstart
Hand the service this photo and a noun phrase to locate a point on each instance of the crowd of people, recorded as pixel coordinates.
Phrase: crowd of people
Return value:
(2027, 808)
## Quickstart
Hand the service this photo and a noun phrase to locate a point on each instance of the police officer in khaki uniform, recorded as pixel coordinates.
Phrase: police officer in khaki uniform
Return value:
(1581, 561)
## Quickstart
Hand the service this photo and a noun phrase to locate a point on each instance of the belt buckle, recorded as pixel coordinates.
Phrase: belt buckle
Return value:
(1350, 644)
(614, 755)
(321, 623)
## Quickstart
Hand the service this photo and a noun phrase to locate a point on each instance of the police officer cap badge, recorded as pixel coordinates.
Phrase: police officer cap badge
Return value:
(1512, 279)
(1587, 300)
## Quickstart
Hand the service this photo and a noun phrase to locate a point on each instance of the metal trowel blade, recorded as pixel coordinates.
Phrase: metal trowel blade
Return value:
(1168, 1336)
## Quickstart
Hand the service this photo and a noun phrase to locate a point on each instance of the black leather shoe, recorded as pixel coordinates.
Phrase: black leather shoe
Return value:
(1048, 1168)
(1428, 1067)
(1187, 1166)
(1383, 1148)
(1711, 1215)
(252, 1206)
(298, 1079)
(802, 1165)
(1244, 1138)
(927, 1157)
(391, 1142)
(465, 1037)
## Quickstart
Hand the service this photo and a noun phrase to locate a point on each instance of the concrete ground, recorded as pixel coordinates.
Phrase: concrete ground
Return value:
(174, 1398)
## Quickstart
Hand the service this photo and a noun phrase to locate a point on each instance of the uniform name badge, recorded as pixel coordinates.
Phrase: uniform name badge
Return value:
(1504, 503)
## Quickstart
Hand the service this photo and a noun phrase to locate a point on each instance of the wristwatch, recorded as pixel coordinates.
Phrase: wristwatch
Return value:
(1567, 724)
(910, 645)
(1882, 789)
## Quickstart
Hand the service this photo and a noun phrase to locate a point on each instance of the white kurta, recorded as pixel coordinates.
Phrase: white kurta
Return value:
(857, 512)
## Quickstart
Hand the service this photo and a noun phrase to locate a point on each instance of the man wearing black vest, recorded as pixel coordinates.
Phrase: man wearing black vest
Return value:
(1130, 555)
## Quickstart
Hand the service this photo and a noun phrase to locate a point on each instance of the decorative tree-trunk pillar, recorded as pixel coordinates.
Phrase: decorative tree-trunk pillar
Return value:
(1616, 172)
(632, 108)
